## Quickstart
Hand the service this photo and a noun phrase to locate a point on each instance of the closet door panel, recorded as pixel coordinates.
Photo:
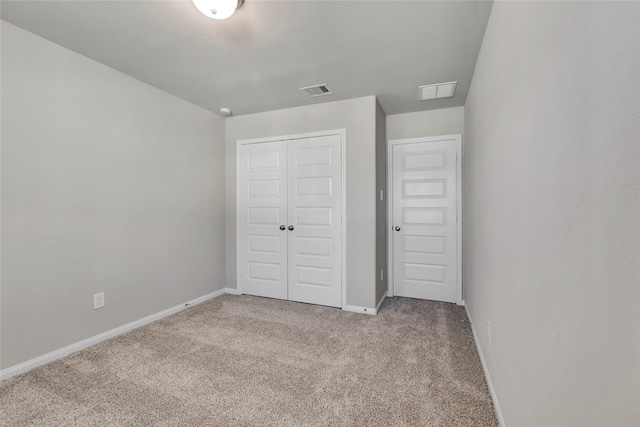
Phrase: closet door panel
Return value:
(262, 196)
(314, 212)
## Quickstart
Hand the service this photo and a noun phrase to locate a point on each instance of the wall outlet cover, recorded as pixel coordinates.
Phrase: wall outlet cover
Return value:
(98, 300)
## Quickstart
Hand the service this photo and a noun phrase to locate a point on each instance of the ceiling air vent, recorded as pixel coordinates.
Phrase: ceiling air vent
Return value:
(437, 91)
(316, 90)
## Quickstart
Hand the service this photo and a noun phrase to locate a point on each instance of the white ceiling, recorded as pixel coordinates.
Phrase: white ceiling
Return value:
(259, 58)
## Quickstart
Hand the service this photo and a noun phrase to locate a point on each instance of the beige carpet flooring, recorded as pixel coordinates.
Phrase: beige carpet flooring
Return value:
(249, 361)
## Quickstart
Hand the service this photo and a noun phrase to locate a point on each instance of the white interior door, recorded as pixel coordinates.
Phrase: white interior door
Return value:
(425, 220)
(289, 219)
(262, 237)
(315, 208)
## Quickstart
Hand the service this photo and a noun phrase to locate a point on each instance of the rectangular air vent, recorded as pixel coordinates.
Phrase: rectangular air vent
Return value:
(316, 90)
(437, 91)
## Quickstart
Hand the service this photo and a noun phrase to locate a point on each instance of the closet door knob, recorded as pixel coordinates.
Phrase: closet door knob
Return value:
(291, 227)
(282, 227)
(397, 228)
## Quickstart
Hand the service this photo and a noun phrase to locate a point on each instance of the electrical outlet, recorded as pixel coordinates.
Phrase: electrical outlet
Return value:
(489, 331)
(98, 300)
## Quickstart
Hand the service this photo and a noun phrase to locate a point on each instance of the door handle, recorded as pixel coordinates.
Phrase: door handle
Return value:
(291, 227)
(282, 227)
(397, 228)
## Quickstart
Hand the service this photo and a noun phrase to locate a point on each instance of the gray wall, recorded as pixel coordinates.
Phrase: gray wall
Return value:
(357, 116)
(381, 206)
(552, 211)
(108, 184)
(426, 123)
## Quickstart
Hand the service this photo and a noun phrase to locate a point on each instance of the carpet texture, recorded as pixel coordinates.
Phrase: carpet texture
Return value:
(242, 360)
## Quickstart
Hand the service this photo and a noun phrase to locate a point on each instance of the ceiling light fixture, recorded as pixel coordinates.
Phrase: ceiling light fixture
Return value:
(218, 9)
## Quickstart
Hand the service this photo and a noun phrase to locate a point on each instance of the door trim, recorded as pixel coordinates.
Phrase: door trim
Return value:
(390, 144)
(343, 136)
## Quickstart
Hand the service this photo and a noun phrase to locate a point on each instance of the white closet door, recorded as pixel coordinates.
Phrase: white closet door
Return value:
(424, 220)
(262, 244)
(315, 206)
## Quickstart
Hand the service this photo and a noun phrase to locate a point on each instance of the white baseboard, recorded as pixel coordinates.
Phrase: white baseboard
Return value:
(361, 310)
(232, 291)
(65, 351)
(494, 397)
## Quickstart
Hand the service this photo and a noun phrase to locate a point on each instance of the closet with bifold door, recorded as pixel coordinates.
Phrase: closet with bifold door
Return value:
(290, 219)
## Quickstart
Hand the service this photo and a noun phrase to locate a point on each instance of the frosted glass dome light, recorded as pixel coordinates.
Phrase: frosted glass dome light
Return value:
(217, 9)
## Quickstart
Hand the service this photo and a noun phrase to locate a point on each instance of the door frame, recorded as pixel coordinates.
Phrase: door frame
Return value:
(392, 143)
(343, 214)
